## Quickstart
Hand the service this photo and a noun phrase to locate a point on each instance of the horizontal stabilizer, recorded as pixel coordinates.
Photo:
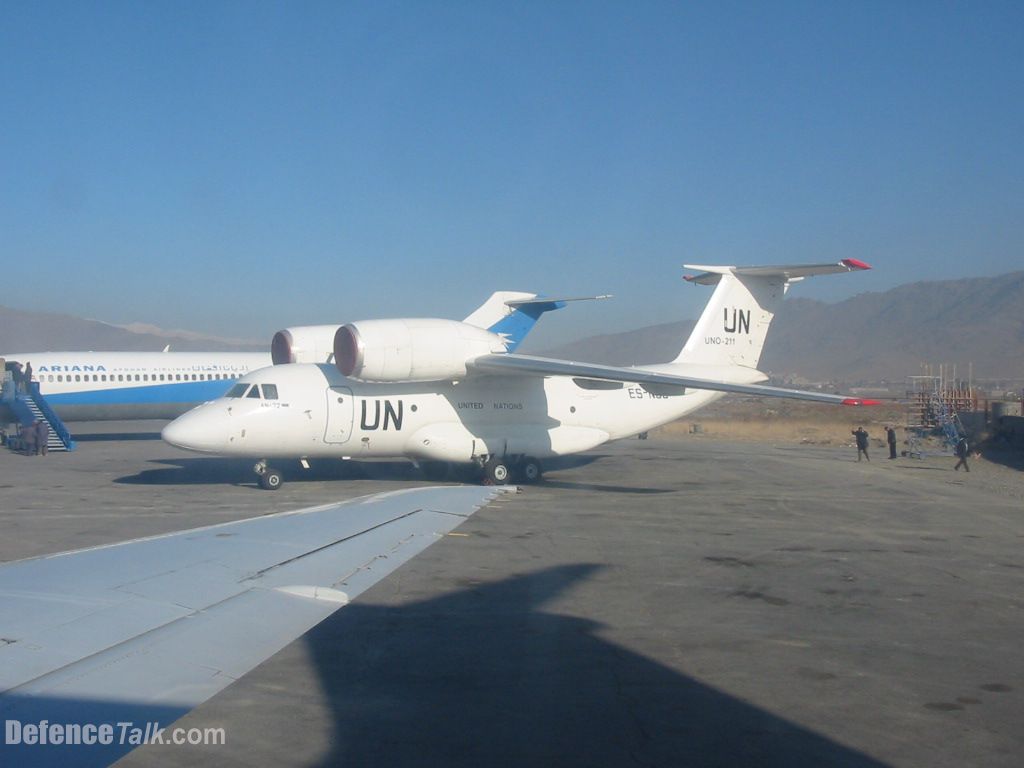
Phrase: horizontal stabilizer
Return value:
(558, 300)
(512, 314)
(709, 275)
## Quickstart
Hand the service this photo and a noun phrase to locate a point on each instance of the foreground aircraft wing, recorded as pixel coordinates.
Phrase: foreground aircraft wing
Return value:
(143, 631)
(542, 366)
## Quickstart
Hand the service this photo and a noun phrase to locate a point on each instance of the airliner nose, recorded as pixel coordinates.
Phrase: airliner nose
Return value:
(191, 431)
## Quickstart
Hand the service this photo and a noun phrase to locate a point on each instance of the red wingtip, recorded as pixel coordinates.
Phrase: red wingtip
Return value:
(860, 401)
(855, 264)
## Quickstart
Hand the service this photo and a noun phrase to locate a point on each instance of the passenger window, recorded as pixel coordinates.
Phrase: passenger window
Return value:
(237, 391)
(60, 377)
(270, 391)
(103, 377)
(78, 377)
(254, 392)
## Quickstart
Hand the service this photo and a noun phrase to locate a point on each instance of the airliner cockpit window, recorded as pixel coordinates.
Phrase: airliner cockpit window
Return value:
(254, 392)
(237, 391)
(269, 391)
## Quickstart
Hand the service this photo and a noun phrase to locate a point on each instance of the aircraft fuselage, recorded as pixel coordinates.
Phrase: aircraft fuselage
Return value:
(313, 411)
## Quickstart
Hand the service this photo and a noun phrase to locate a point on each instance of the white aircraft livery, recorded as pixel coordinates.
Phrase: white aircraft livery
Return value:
(443, 392)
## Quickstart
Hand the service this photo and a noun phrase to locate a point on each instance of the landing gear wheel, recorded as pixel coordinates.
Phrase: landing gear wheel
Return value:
(271, 480)
(496, 472)
(530, 470)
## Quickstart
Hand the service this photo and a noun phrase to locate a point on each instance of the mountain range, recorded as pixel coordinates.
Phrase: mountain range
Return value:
(872, 337)
(23, 331)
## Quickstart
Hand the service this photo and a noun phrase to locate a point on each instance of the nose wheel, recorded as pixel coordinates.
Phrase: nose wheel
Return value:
(269, 479)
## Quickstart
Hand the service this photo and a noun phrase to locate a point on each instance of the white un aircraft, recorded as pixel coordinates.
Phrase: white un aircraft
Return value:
(443, 392)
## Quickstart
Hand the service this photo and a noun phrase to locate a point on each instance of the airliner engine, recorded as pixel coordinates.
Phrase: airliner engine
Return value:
(303, 344)
(410, 350)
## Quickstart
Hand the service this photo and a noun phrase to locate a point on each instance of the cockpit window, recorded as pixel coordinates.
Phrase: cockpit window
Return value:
(269, 391)
(254, 392)
(237, 391)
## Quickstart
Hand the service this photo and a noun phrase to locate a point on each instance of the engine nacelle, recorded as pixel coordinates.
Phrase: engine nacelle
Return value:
(303, 344)
(410, 350)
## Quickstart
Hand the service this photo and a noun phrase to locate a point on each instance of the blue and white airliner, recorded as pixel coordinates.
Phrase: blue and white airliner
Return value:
(135, 385)
(87, 386)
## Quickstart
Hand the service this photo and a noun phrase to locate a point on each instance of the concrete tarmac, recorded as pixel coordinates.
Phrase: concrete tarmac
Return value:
(659, 603)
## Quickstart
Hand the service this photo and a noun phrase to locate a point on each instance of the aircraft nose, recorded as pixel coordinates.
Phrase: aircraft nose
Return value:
(193, 431)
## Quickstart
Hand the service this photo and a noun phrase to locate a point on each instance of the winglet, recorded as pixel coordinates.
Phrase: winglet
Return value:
(855, 264)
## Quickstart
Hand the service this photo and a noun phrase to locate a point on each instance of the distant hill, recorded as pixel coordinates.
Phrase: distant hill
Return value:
(870, 338)
(22, 331)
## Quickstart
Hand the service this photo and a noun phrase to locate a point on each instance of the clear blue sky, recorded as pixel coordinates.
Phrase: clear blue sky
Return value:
(235, 167)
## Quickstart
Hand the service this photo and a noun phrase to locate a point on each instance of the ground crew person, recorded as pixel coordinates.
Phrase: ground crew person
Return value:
(862, 442)
(890, 437)
(961, 451)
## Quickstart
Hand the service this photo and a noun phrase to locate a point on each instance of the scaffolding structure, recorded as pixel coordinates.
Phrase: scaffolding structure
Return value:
(933, 403)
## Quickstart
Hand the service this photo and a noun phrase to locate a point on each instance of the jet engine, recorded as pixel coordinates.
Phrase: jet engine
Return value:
(410, 350)
(303, 344)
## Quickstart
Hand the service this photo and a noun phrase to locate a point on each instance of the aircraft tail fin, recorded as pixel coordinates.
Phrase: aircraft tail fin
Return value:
(512, 314)
(734, 324)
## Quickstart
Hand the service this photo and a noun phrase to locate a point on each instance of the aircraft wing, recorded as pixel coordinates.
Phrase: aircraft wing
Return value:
(143, 631)
(542, 366)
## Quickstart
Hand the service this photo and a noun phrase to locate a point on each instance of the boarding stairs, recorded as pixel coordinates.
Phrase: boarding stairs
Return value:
(32, 406)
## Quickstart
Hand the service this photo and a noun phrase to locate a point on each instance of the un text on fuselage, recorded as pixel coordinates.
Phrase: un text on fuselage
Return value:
(388, 416)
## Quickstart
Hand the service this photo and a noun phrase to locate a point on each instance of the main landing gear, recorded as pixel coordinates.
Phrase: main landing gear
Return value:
(269, 479)
(500, 470)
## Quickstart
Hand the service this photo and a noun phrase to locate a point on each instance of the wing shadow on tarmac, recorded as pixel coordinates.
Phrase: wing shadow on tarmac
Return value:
(485, 676)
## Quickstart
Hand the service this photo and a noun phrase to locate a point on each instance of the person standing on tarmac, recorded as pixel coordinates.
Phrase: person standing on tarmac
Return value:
(890, 437)
(42, 437)
(862, 442)
(962, 449)
(28, 439)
